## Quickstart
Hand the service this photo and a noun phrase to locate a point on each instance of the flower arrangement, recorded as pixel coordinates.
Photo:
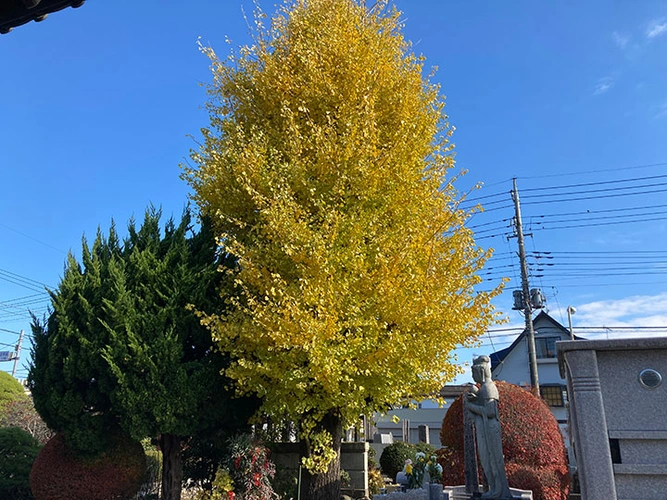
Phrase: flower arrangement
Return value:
(421, 469)
(434, 470)
(246, 473)
(250, 469)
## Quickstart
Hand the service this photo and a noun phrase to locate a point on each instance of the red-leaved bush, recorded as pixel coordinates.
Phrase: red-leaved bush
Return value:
(535, 457)
(58, 474)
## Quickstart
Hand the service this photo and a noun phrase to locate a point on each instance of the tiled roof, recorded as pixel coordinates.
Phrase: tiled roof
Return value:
(14, 13)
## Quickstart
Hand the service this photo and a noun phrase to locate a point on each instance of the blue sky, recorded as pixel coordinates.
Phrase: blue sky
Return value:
(99, 103)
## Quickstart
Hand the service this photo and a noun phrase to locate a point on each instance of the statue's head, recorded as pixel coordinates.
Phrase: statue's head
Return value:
(481, 369)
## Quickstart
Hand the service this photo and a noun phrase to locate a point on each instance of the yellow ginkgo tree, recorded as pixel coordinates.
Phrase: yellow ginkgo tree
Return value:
(325, 170)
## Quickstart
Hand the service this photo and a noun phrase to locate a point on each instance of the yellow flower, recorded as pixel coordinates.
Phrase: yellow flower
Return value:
(408, 469)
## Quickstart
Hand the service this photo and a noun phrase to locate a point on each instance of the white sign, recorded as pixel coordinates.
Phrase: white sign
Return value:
(6, 355)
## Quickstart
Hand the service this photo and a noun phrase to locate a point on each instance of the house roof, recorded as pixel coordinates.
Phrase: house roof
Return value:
(452, 391)
(498, 356)
(14, 13)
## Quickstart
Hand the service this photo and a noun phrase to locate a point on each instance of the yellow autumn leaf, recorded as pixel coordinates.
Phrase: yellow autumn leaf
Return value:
(326, 170)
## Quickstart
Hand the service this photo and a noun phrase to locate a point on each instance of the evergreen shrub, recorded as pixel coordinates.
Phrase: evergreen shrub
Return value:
(18, 450)
(535, 456)
(394, 456)
(117, 473)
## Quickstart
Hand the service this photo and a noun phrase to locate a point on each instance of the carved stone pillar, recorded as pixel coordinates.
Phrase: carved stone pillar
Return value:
(589, 426)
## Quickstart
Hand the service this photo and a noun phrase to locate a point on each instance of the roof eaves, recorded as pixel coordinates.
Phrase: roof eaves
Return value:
(15, 13)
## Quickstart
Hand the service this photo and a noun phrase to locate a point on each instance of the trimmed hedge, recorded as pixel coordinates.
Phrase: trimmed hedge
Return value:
(10, 390)
(115, 474)
(18, 451)
(535, 456)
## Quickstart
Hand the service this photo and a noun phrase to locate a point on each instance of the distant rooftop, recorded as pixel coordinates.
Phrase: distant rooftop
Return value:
(453, 391)
(14, 13)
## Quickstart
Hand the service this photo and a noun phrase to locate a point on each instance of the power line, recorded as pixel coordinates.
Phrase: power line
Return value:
(582, 172)
(596, 197)
(609, 210)
(485, 197)
(488, 223)
(604, 252)
(603, 217)
(577, 283)
(658, 327)
(597, 183)
(32, 238)
(595, 224)
(23, 278)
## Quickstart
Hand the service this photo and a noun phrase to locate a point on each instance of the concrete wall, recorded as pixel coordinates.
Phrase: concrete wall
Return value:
(432, 417)
(353, 460)
(618, 418)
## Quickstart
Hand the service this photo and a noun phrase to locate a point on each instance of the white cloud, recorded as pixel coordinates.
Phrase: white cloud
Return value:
(662, 111)
(635, 311)
(656, 28)
(603, 85)
(620, 39)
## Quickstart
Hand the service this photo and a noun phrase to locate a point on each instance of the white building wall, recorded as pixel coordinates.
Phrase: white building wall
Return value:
(515, 368)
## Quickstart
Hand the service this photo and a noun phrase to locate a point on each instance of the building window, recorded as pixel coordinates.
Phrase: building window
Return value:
(545, 347)
(554, 395)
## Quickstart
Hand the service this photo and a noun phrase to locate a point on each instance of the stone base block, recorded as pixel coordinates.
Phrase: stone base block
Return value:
(459, 493)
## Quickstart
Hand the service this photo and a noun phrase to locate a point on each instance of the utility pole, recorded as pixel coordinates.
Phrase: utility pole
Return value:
(527, 306)
(16, 353)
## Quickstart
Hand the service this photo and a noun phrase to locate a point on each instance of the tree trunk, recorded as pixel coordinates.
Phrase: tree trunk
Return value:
(325, 486)
(172, 467)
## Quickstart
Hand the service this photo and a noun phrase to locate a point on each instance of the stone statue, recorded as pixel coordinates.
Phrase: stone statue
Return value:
(482, 404)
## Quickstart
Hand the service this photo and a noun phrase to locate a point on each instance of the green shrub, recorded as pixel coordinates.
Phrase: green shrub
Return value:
(18, 451)
(10, 390)
(394, 456)
(116, 473)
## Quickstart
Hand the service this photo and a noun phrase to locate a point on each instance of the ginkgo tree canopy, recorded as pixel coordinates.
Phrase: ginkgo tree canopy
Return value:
(325, 169)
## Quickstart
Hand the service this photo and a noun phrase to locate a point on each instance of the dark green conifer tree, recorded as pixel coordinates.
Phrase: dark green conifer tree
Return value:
(123, 350)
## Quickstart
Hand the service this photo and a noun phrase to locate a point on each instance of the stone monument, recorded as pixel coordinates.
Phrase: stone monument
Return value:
(482, 406)
(618, 401)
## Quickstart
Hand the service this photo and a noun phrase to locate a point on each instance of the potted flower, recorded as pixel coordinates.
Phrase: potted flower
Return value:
(425, 473)
(417, 471)
(435, 473)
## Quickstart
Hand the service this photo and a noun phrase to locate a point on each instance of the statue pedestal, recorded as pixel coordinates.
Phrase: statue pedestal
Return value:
(459, 493)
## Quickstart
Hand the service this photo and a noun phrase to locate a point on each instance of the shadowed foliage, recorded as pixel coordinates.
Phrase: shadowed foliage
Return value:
(123, 350)
(18, 451)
